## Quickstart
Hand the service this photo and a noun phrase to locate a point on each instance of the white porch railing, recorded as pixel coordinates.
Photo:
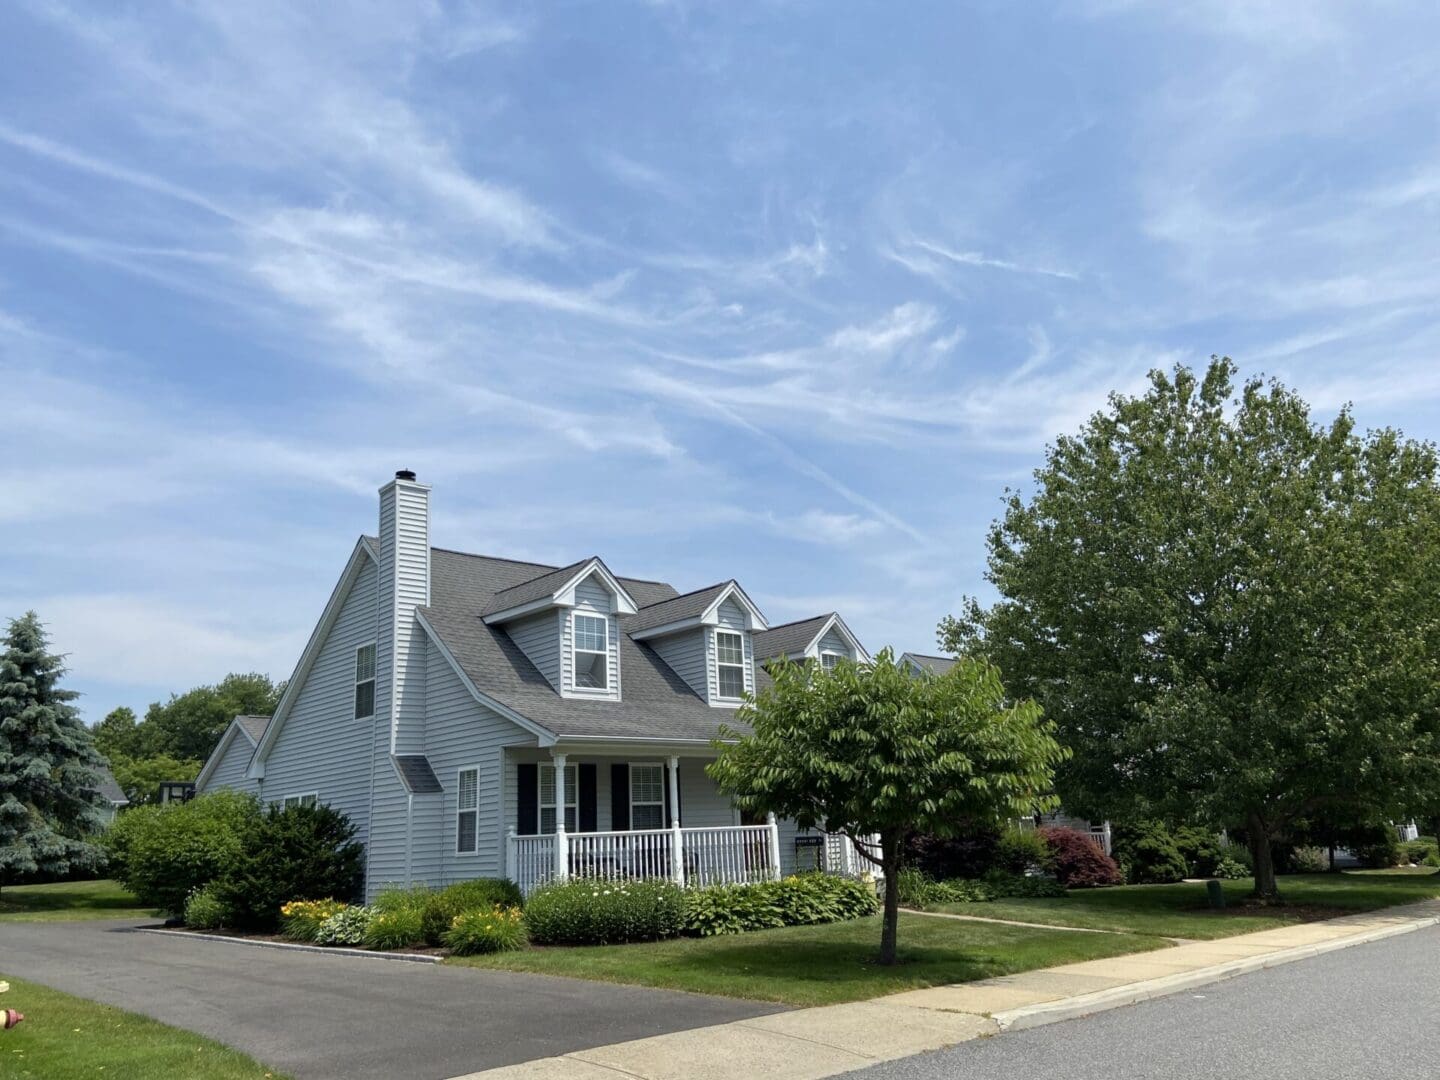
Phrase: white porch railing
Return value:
(730, 854)
(840, 857)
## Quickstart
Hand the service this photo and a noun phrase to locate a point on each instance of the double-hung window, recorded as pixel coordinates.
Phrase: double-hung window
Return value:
(592, 653)
(308, 799)
(365, 682)
(467, 812)
(730, 661)
(547, 798)
(647, 796)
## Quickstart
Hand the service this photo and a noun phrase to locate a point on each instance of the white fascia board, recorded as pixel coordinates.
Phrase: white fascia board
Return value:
(362, 551)
(837, 623)
(628, 745)
(691, 623)
(545, 736)
(624, 602)
(542, 604)
(756, 619)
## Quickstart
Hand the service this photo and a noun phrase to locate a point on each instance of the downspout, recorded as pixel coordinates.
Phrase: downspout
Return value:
(409, 833)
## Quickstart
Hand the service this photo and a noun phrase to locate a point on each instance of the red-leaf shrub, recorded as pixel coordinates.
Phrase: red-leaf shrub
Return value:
(1078, 862)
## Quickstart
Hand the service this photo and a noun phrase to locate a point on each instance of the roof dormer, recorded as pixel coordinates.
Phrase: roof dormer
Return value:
(705, 637)
(567, 623)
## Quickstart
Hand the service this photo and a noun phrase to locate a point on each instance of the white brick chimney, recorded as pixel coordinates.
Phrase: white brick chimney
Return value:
(404, 586)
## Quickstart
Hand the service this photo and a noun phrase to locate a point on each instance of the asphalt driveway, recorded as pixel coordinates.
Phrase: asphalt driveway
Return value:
(318, 1017)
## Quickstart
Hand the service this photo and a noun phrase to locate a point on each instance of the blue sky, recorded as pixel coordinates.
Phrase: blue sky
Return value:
(784, 291)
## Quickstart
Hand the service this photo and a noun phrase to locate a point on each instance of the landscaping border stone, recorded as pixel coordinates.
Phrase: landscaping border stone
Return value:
(324, 950)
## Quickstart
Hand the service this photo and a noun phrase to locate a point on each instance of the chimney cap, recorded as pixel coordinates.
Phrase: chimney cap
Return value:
(404, 474)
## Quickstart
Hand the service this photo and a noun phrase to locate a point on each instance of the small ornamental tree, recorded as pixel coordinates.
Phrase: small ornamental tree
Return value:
(870, 750)
(49, 805)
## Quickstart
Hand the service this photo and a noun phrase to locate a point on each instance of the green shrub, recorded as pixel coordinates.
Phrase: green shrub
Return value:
(1021, 851)
(295, 853)
(1417, 851)
(913, 886)
(497, 929)
(1377, 847)
(164, 853)
(971, 851)
(346, 927)
(800, 900)
(1230, 869)
(1078, 861)
(1238, 853)
(1200, 848)
(585, 912)
(204, 910)
(731, 909)
(479, 894)
(397, 928)
(300, 920)
(1309, 860)
(1147, 853)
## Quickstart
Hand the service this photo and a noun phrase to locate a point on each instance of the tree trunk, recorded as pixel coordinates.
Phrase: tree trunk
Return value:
(890, 864)
(1266, 888)
(1332, 857)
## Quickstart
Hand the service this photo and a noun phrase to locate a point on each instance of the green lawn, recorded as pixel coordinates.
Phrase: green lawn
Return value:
(63, 1037)
(69, 900)
(822, 965)
(1180, 910)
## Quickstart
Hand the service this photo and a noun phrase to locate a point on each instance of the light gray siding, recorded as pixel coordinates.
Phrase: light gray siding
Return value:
(322, 747)
(539, 639)
(686, 655)
(230, 770)
(461, 733)
(591, 598)
(701, 805)
(404, 585)
(834, 641)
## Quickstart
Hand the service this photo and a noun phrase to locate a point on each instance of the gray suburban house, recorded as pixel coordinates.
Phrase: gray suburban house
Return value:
(479, 716)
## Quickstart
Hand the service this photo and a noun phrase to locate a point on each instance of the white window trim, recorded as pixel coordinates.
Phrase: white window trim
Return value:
(355, 673)
(715, 645)
(664, 780)
(287, 800)
(461, 771)
(612, 674)
(831, 652)
(572, 797)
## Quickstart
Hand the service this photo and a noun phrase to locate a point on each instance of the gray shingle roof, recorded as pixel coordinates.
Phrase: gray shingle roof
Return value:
(108, 788)
(936, 665)
(533, 589)
(254, 725)
(417, 774)
(688, 606)
(788, 638)
(657, 703)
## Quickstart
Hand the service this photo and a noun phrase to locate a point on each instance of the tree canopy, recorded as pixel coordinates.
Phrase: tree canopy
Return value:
(868, 749)
(1231, 612)
(49, 803)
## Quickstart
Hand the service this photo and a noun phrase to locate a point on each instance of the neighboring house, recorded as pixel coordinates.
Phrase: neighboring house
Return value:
(112, 793)
(480, 716)
(1099, 831)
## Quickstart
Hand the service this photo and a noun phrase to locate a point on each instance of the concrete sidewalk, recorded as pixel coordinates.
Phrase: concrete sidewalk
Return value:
(835, 1039)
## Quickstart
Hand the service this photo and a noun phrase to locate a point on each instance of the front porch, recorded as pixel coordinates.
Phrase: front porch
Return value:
(641, 815)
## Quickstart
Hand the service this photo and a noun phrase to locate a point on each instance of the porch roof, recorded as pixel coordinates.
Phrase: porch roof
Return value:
(657, 704)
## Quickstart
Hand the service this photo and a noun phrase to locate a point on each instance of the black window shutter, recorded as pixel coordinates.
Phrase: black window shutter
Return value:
(620, 797)
(589, 821)
(527, 799)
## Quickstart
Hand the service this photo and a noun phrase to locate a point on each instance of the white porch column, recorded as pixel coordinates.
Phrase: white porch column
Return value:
(774, 827)
(677, 841)
(562, 844)
(510, 867)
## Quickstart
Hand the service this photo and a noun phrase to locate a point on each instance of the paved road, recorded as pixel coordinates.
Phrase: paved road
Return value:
(318, 1017)
(1357, 1013)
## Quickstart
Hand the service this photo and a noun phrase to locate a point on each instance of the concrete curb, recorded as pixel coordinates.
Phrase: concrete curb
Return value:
(323, 950)
(1073, 1008)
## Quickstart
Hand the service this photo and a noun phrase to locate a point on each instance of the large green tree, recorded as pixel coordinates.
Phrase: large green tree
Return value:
(867, 750)
(49, 806)
(189, 725)
(1229, 610)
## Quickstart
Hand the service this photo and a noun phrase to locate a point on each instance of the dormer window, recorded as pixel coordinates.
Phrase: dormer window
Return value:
(828, 660)
(592, 652)
(730, 662)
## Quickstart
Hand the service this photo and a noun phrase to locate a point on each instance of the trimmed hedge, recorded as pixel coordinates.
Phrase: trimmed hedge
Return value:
(1147, 854)
(801, 900)
(1077, 860)
(584, 912)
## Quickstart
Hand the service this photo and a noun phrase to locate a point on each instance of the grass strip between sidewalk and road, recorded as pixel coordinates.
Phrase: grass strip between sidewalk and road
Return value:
(64, 1037)
(1180, 911)
(65, 901)
(822, 965)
